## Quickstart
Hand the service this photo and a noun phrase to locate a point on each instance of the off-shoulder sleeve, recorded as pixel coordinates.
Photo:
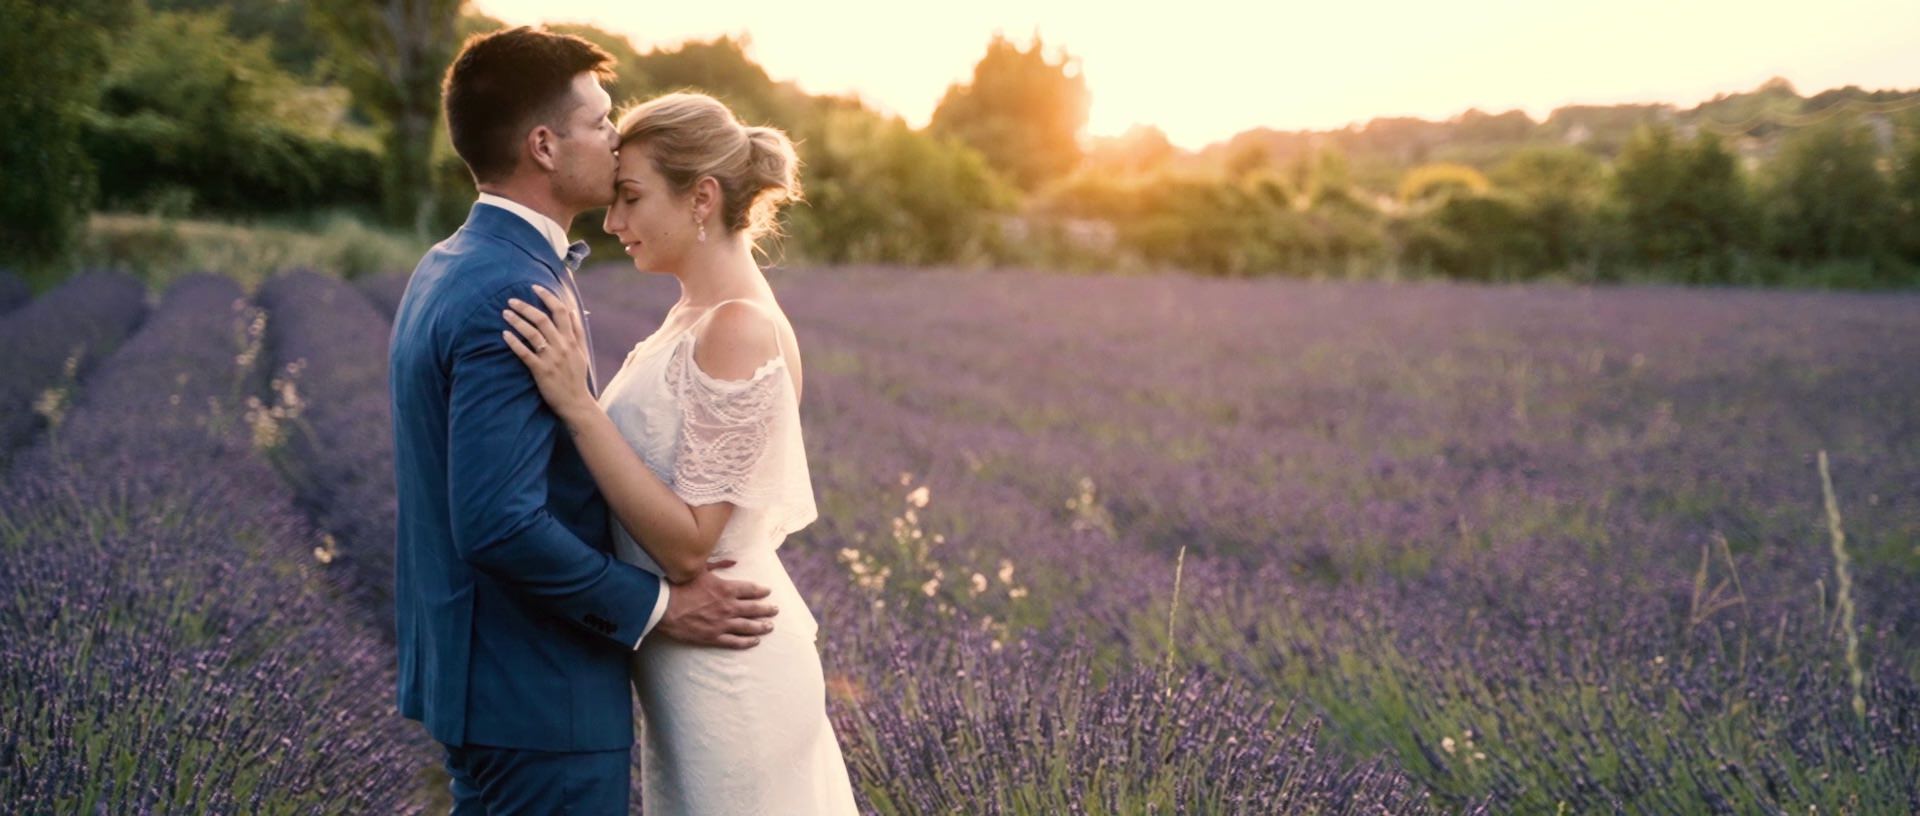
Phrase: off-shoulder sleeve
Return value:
(740, 441)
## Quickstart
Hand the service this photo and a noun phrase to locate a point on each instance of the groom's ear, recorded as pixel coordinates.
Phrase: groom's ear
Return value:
(541, 142)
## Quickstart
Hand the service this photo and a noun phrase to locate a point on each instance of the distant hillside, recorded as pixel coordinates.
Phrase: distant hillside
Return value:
(1752, 123)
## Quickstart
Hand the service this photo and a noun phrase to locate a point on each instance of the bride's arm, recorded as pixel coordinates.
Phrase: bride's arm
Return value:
(679, 537)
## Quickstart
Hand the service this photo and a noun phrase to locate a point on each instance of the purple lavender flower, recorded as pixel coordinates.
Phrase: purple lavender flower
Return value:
(169, 640)
(13, 291)
(52, 341)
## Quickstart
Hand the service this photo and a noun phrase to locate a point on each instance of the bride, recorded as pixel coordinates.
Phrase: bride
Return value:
(696, 445)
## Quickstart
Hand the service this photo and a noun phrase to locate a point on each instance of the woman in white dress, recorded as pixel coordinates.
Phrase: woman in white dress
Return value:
(696, 445)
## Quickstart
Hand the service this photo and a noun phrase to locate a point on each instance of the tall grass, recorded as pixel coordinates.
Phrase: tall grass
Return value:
(160, 250)
(1843, 588)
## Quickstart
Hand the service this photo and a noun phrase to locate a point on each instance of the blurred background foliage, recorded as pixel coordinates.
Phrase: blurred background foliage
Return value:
(293, 112)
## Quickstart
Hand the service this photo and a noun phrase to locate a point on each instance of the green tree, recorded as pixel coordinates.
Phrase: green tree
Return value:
(53, 55)
(1205, 225)
(1685, 204)
(1504, 128)
(1022, 111)
(722, 69)
(1906, 195)
(1560, 191)
(1142, 149)
(1322, 177)
(878, 190)
(296, 47)
(1476, 237)
(1828, 199)
(189, 117)
(630, 82)
(1248, 159)
(719, 68)
(1217, 225)
(392, 54)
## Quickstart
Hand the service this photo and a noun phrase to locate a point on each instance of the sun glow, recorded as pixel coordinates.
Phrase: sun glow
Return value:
(1202, 71)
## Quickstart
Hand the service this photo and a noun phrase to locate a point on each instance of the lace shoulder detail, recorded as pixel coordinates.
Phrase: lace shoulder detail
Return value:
(728, 431)
(740, 442)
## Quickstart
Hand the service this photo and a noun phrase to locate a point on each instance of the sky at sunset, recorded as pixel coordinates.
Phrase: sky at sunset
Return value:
(1203, 70)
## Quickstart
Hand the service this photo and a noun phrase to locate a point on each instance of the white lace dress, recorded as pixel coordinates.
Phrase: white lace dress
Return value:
(727, 731)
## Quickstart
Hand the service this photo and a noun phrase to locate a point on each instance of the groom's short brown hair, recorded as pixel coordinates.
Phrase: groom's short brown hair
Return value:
(503, 83)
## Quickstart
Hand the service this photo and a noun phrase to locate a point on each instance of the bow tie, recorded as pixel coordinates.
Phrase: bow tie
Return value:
(575, 254)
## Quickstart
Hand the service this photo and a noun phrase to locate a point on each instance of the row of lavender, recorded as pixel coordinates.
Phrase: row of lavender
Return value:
(958, 723)
(1613, 613)
(169, 645)
(51, 341)
(1513, 535)
(13, 291)
(338, 451)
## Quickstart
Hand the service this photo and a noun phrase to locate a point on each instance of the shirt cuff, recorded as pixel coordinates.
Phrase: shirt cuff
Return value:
(659, 611)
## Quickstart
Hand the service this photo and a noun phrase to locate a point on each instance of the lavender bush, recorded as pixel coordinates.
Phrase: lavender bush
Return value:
(338, 454)
(384, 291)
(1143, 545)
(49, 342)
(169, 645)
(958, 722)
(1394, 493)
(13, 291)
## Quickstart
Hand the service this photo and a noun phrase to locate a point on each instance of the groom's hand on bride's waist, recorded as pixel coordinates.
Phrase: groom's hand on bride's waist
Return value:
(713, 611)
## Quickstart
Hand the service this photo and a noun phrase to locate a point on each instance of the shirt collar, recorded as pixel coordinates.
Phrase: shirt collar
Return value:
(548, 229)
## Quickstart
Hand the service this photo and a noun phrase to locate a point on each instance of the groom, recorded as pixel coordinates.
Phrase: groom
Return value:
(515, 621)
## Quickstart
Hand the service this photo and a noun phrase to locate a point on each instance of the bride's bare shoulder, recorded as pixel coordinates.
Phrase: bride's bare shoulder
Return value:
(736, 339)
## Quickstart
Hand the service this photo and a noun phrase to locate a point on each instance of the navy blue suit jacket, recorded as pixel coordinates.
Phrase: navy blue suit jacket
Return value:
(515, 620)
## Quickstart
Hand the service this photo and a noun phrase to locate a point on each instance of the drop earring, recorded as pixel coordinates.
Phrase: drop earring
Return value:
(703, 233)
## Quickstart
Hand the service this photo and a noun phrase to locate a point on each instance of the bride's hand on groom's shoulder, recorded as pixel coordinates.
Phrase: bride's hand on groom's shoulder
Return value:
(553, 346)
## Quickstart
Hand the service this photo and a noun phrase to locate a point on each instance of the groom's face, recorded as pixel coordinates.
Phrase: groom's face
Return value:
(584, 144)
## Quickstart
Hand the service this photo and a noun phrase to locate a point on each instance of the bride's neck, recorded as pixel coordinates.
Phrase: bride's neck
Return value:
(725, 273)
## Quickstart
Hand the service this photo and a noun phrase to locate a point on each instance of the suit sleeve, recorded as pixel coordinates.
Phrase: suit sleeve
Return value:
(500, 437)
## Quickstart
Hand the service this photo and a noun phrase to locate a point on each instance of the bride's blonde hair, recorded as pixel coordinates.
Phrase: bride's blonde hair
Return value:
(689, 135)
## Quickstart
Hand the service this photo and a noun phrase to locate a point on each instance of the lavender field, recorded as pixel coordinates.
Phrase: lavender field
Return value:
(1087, 545)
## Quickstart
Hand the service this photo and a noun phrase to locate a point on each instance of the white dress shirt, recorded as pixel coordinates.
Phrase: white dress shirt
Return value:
(548, 228)
(557, 237)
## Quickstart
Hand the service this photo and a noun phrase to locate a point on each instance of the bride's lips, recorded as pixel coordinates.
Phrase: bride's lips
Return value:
(629, 247)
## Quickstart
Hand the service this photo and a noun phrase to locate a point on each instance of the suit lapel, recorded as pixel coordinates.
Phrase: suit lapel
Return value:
(489, 220)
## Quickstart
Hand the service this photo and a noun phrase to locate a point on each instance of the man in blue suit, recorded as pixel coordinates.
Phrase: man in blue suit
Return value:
(515, 621)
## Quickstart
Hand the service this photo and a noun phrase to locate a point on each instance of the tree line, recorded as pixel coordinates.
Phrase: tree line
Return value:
(280, 107)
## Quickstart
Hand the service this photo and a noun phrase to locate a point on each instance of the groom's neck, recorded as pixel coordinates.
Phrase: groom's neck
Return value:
(532, 197)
